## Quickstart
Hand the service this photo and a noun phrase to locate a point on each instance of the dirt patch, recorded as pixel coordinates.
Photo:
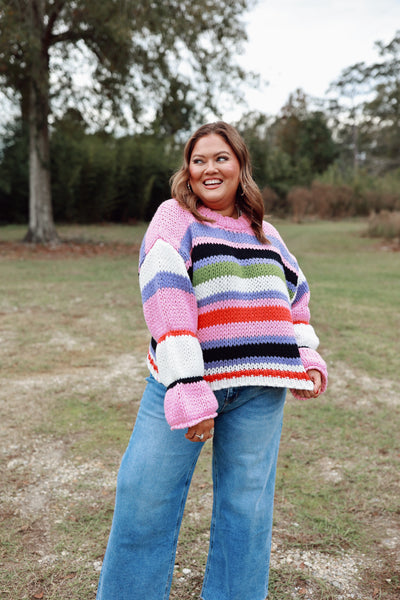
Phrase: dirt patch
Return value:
(360, 389)
(344, 572)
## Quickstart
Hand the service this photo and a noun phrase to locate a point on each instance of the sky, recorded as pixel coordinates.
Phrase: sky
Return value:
(307, 43)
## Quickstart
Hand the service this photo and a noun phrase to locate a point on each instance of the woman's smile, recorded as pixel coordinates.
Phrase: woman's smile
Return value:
(212, 182)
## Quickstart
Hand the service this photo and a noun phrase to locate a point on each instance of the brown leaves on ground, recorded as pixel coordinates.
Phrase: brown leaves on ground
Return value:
(67, 249)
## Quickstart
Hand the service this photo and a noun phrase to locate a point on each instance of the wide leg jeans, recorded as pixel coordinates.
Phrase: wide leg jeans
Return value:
(152, 486)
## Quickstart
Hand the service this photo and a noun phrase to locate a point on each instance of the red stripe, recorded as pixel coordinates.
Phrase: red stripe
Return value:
(176, 333)
(257, 373)
(224, 316)
(153, 364)
(300, 323)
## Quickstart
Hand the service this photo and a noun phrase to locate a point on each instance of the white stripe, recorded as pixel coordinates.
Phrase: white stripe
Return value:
(254, 366)
(302, 278)
(162, 257)
(232, 283)
(306, 336)
(179, 357)
(263, 381)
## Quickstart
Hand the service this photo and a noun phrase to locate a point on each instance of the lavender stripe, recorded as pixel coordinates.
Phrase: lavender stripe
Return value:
(227, 296)
(223, 343)
(235, 237)
(263, 360)
(165, 279)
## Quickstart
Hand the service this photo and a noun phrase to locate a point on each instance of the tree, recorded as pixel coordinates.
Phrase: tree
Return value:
(254, 128)
(136, 49)
(347, 112)
(368, 109)
(385, 104)
(305, 137)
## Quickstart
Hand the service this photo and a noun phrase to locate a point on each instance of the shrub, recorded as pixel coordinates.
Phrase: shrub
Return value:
(274, 204)
(333, 202)
(384, 224)
(300, 200)
(330, 201)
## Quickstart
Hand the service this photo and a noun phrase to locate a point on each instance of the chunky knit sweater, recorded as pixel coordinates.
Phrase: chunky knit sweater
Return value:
(223, 310)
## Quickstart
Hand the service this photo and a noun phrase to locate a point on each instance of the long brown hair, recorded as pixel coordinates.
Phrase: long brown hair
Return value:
(248, 196)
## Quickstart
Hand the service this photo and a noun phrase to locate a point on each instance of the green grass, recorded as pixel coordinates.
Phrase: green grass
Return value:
(355, 291)
(72, 352)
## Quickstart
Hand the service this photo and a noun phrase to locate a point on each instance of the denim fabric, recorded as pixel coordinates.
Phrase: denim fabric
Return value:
(152, 486)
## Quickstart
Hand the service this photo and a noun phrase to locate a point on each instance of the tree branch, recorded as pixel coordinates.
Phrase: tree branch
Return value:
(57, 8)
(70, 35)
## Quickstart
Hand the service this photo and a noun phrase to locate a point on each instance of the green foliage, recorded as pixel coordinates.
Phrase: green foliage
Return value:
(109, 179)
(305, 137)
(296, 162)
(132, 54)
(289, 151)
(144, 166)
(14, 174)
(132, 50)
(95, 177)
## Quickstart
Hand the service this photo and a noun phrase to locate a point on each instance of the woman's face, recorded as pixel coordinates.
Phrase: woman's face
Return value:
(214, 174)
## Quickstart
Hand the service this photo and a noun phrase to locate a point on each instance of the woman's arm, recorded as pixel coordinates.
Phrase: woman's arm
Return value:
(307, 341)
(170, 311)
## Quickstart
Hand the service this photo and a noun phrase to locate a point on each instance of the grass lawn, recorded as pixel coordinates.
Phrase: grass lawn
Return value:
(72, 358)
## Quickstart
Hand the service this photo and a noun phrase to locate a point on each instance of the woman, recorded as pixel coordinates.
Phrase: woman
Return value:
(227, 308)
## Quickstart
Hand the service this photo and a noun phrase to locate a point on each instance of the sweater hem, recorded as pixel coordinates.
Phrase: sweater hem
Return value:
(280, 382)
(230, 382)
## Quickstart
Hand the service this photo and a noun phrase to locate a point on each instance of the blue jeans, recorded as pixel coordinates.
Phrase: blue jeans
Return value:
(152, 486)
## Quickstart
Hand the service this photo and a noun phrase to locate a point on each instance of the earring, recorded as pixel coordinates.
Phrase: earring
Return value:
(189, 187)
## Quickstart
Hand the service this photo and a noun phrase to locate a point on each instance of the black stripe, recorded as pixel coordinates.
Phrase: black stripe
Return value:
(250, 350)
(185, 380)
(206, 250)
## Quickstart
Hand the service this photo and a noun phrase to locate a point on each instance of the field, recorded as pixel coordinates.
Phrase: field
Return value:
(72, 355)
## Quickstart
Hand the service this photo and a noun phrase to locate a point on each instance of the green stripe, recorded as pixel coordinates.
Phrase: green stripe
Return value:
(228, 268)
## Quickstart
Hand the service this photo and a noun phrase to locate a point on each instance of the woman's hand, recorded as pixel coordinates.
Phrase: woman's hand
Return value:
(316, 378)
(201, 432)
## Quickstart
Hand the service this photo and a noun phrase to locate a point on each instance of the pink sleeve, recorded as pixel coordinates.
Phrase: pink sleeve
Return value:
(170, 310)
(306, 337)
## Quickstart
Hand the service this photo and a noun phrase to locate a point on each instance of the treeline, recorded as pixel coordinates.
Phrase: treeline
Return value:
(94, 177)
(301, 169)
(327, 158)
(332, 157)
(100, 177)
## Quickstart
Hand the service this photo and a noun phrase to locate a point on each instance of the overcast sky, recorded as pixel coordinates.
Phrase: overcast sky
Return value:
(307, 43)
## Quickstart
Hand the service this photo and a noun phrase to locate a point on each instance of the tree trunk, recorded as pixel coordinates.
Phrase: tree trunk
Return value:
(41, 224)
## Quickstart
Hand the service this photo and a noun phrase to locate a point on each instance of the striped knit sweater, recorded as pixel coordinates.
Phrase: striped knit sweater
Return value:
(223, 310)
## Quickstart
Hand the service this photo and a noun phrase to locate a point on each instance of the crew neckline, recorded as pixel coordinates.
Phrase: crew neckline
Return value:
(238, 224)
